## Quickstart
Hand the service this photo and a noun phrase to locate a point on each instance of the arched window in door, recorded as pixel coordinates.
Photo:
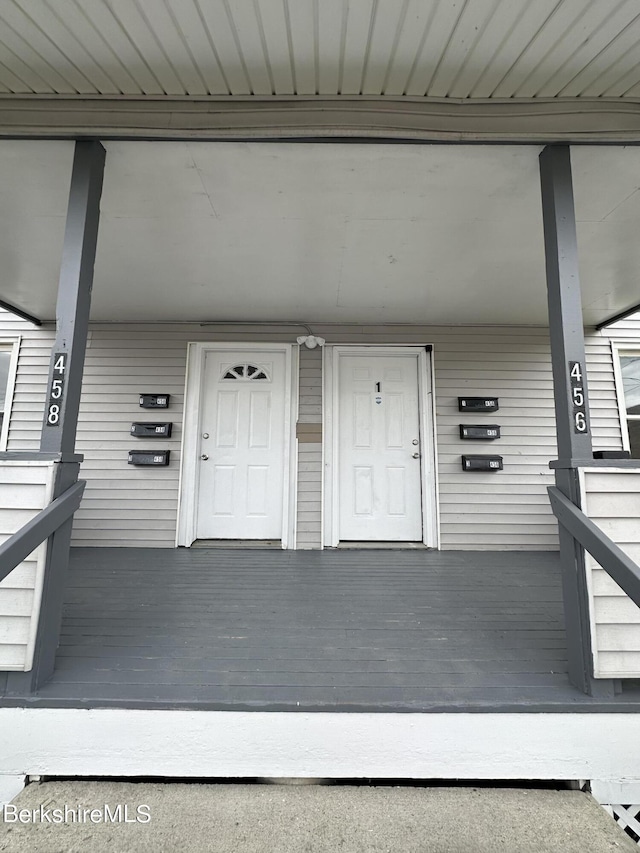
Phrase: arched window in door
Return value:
(246, 371)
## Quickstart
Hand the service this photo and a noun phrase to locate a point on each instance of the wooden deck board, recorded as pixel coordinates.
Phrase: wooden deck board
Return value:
(368, 630)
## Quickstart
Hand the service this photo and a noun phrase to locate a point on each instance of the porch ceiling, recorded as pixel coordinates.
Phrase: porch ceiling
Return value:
(335, 232)
(398, 48)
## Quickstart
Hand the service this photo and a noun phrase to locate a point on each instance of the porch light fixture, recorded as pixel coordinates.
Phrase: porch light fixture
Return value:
(311, 341)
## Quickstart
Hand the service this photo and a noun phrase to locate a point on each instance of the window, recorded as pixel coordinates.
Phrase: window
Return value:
(245, 371)
(630, 374)
(8, 360)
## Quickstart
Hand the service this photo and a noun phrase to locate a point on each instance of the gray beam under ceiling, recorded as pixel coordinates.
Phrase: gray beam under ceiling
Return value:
(512, 120)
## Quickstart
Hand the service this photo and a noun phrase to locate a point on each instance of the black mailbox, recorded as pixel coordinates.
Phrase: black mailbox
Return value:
(149, 457)
(478, 431)
(151, 430)
(482, 463)
(154, 401)
(478, 404)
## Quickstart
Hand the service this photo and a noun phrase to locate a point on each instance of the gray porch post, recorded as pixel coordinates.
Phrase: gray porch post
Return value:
(63, 391)
(571, 398)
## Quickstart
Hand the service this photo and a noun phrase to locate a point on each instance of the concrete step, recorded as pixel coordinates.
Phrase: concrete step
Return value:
(234, 818)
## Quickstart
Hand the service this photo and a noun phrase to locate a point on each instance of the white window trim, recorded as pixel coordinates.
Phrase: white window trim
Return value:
(618, 349)
(14, 344)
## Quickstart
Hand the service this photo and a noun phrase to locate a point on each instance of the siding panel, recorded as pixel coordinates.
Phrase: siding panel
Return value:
(309, 517)
(20, 591)
(512, 363)
(615, 619)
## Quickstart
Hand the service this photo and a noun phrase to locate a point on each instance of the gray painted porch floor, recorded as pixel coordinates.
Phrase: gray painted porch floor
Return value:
(331, 630)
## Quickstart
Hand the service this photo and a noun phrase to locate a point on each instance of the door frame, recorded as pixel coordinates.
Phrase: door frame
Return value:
(427, 424)
(189, 468)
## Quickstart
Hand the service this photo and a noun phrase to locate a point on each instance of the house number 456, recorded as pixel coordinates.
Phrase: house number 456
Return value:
(578, 401)
(56, 391)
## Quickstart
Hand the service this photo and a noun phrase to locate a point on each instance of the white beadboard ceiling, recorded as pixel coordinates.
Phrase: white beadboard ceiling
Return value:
(418, 48)
(331, 232)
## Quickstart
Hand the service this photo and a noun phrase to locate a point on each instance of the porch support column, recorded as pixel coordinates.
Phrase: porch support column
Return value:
(571, 398)
(63, 391)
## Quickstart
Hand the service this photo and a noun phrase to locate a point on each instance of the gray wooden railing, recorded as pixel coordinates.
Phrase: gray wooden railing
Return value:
(18, 546)
(604, 550)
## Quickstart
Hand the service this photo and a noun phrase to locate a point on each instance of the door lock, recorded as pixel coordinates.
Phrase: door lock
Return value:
(204, 457)
(415, 441)
(205, 435)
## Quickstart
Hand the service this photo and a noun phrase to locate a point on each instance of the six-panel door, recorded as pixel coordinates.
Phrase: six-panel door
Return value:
(240, 494)
(379, 448)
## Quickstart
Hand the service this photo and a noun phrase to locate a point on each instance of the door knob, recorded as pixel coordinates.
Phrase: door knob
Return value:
(204, 457)
(416, 456)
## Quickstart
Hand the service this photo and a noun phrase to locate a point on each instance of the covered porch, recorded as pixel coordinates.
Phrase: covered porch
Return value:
(372, 235)
(333, 630)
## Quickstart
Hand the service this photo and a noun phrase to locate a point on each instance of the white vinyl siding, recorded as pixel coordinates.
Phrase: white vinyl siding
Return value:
(624, 330)
(128, 506)
(309, 514)
(25, 488)
(612, 500)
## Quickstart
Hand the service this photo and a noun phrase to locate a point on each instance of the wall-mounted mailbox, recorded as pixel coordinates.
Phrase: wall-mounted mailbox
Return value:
(149, 457)
(151, 430)
(482, 463)
(478, 404)
(478, 431)
(154, 401)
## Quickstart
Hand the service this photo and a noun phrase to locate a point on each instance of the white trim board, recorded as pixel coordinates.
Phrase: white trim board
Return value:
(619, 348)
(14, 343)
(428, 463)
(215, 744)
(188, 484)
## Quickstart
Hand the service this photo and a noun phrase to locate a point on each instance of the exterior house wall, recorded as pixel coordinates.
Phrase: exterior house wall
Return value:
(625, 331)
(611, 498)
(128, 506)
(25, 489)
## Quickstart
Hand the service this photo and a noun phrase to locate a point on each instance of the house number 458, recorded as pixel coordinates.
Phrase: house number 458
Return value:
(56, 391)
(579, 403)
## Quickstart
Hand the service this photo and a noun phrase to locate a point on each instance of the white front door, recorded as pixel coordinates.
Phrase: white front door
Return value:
(242, 446)
(379, 446)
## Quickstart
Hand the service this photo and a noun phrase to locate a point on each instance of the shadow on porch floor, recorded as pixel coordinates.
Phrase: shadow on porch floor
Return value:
(322, 630)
